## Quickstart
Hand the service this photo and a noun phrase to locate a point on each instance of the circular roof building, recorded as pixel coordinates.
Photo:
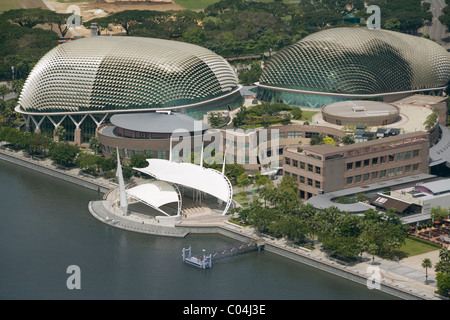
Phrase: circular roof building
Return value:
(356, 112)
(354, 63)
(100, 76)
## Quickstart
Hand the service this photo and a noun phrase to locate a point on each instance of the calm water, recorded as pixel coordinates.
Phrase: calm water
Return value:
(45, 227)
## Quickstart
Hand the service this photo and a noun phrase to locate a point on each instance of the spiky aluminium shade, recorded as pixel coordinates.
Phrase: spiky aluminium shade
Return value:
(124, 73)
(359, 61)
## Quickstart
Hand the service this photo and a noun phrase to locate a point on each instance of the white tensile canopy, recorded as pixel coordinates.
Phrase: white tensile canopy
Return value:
(156, 194)
(207, 180)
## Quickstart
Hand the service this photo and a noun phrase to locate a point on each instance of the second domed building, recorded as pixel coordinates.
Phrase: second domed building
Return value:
(354, 63)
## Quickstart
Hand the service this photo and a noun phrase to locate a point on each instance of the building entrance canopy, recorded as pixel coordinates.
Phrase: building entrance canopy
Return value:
(206, 180)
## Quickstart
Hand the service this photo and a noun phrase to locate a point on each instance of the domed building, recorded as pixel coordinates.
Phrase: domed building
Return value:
(80, 84)
(354, 63)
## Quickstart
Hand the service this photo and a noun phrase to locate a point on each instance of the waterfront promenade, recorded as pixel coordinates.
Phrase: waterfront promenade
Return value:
(404, 279)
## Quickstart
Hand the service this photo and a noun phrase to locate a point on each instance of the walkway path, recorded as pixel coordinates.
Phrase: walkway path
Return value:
(406, 274)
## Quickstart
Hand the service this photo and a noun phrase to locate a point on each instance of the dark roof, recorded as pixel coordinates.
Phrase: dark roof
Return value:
(157, 122)
(387, 202)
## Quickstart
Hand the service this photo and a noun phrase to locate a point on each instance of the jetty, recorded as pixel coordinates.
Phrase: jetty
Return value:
(204, 261)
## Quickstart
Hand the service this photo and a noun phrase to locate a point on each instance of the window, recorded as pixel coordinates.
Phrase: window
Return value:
(311, 134)
(288, 161)
(382, 173)
(407, 155)
(295, 177)
(390, 172)
(383, 159)
(127, 153)
(310, 167)
(407, 168)
(391, 157)
(302, 194)
(399, 170)
(399, 156)
(150, 153)
(358, 164)
(365, 176)
(374, 175)
(309, 182)
(286, 173)
(162, 154)
(317, 184)
(302, 179)
(350, 166)
(137, 152)
(349, 180)
(294, 134)
(366, 162)
(295, 163)
(415, 153)
(302, 165)
(415, 167)
(374, 161)
(318, 170)
(357, 179)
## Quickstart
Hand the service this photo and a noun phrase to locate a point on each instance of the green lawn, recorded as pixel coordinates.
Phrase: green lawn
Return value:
(413, 247)
(307, 115)
(6, 5)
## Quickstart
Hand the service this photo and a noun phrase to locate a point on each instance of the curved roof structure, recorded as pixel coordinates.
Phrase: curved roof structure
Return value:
(156, 194)
(359, 61)
(125, 73)
(158, 122)
(192, 176)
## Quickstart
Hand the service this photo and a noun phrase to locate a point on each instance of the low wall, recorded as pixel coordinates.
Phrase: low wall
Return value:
(60, 174)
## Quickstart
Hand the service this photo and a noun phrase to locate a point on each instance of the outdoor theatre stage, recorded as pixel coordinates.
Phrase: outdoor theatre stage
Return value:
(180, 194)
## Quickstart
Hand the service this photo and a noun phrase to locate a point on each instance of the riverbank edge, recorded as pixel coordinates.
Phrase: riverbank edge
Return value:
(89, 183)
(272, 247)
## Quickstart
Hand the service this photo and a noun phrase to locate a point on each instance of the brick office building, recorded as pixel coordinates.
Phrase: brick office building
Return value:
(325, 168)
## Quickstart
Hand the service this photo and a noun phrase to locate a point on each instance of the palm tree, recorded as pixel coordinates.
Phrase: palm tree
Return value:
(59, 132)
(426, 263)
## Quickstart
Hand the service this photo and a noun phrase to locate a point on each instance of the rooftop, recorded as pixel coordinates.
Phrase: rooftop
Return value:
(363, 109)
(158, 122)
(326, 149)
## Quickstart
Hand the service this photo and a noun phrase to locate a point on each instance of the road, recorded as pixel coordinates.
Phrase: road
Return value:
(436, 29)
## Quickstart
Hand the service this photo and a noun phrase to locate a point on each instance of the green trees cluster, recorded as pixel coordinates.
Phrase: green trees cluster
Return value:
(445, 17)
(232, 28)
(279, 212)
(443, 272)
(266, 114)
(22, 44)
(402, 15)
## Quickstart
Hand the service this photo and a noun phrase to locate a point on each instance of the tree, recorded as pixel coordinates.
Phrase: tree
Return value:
(25, 17)
(315, 140)
(94, 144)
(60, 132)
(138, 161)
(243, 181)
(260, 180)
(63, 153)
(4, 90)
(215, 119)
(88, 161)
(426, 263)
(60, 19)
(348, 139)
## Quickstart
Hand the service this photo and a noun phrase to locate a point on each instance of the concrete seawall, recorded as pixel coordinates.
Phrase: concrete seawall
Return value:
(13, 157)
